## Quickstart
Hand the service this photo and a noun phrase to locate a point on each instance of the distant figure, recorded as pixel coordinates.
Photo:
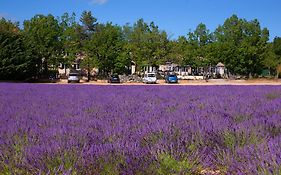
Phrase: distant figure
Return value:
(207, 77)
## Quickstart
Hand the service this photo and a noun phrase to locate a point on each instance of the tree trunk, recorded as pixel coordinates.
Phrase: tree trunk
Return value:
(45, 67)
(88, 73)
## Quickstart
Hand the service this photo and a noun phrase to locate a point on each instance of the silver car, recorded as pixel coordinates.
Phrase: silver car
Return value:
(73, 77)
(150, 78)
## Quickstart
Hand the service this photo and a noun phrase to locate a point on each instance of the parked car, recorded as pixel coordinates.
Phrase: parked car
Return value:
(113, 79)
(150, 78)
(73, 77)
(171, 78)
(52, 79)
(53, 76)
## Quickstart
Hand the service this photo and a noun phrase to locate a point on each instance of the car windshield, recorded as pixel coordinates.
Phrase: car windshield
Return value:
(172, 76)
(73, 74)
(150, 75)
(114, 76)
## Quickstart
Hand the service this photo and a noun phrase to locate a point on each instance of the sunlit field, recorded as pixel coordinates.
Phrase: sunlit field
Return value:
(88, 129)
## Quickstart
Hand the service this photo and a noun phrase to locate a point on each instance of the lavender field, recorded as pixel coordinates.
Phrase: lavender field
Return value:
(74, 129)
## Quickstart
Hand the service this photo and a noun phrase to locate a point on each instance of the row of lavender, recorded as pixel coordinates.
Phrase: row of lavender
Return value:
(74, 129)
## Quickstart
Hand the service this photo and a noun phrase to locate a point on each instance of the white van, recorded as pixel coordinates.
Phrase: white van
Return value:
(73, 77)
(149, 78)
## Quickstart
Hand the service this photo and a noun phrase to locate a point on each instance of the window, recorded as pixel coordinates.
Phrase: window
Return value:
(151, 75)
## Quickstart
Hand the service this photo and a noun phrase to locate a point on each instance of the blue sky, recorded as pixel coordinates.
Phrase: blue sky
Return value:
(176, 17)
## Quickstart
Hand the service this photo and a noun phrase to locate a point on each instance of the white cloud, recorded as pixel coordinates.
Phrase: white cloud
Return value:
(99, 2)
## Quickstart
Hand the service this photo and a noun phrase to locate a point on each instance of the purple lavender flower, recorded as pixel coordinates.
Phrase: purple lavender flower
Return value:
(68, 129)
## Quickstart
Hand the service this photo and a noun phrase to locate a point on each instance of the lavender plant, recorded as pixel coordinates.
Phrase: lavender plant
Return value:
(73, 129)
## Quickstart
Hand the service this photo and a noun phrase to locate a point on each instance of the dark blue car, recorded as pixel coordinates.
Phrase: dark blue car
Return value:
(171, 78)
(114, 79)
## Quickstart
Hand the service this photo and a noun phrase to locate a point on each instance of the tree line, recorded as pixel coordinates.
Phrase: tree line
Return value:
(45, 41)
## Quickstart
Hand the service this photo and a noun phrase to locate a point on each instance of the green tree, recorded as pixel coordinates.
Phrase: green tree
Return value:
(201, 36)
(105, 47)
(43, 34)
(196, 50)
(89, 23)
(176, 50)
(148, 45)
(277, 51)
(242, 44)
(277, 45)
(270, 59)
(86, 32)
(155, 46)
(70, 38)
(138, 44)
(16, 59)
